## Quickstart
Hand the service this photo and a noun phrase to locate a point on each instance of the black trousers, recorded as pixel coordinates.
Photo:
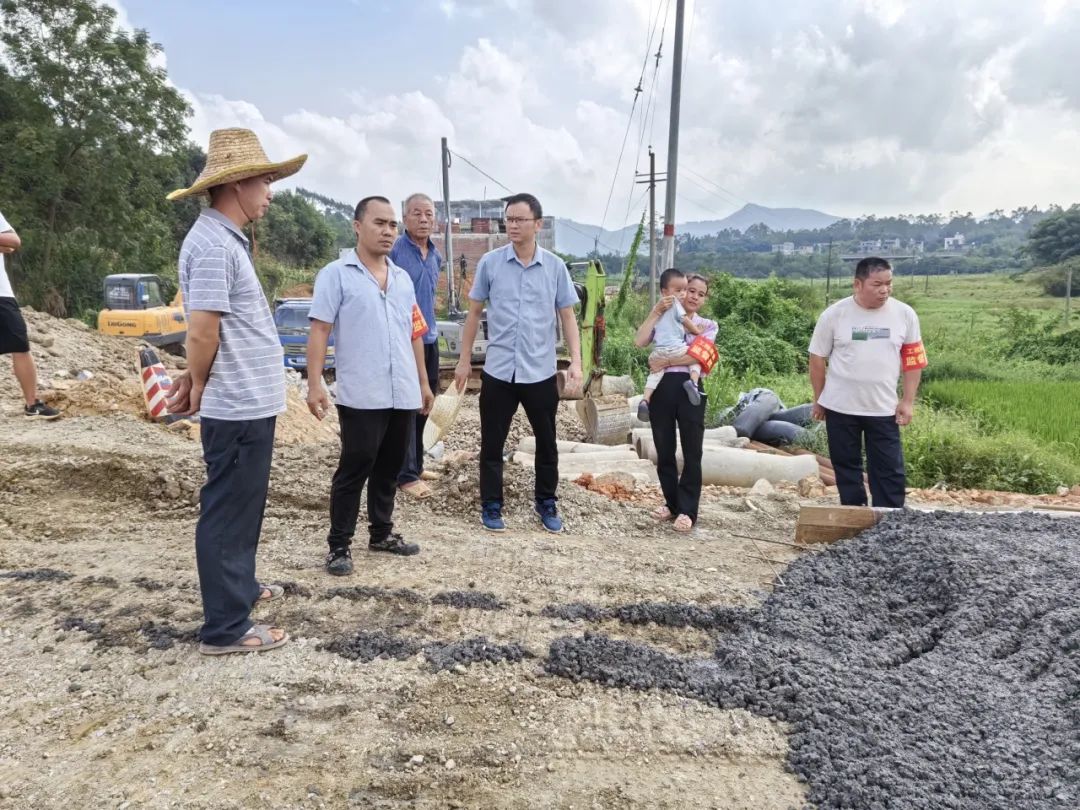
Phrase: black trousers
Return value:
(884, 457)
(414, 454)
(670, 409)
(237, 456)
(373, 444)
(498, 403)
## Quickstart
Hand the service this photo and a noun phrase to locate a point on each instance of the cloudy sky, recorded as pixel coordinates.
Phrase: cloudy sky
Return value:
(847, 106)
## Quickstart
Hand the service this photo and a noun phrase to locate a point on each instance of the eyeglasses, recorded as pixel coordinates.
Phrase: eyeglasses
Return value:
(519, 220)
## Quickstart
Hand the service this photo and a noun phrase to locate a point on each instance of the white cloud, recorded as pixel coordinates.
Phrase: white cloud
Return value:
(850, 106)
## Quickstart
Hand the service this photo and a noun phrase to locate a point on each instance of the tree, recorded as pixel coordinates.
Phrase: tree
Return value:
(1056, 241)
(94, 137)
(295, 233)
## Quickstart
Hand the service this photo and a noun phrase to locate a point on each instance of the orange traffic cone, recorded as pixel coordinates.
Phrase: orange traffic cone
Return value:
(156, 383)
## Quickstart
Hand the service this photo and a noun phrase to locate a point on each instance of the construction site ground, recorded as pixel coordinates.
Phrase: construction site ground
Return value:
(376, 702)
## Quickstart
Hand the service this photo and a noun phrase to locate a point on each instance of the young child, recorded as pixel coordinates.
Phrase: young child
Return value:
(669, 339)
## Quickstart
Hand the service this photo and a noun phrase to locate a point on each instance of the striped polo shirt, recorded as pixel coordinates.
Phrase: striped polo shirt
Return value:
(247, 379)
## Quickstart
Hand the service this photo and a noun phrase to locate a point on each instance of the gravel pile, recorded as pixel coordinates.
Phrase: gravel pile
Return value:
(714, 617)
(472, 651)
(469, 600)
(932, 662)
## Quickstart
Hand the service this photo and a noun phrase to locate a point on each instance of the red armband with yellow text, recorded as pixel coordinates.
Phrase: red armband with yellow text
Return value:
(913, 356)
(419, 325)
(704, 352)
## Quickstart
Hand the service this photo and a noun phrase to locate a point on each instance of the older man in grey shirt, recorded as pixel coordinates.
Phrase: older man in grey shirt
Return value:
(382, 380)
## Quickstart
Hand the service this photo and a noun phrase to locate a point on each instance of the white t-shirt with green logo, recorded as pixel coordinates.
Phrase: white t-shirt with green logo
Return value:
(863, 349)
(5, 283)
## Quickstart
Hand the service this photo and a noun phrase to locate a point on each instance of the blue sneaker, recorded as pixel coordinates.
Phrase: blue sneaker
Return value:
(549, 515)
(491, 517)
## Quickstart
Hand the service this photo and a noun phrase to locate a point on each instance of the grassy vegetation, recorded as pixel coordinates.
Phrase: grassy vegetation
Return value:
(1000, 405)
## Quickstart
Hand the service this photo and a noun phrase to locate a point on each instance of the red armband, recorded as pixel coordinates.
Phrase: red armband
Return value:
(913, 357)
(704, 352)
(419, 325)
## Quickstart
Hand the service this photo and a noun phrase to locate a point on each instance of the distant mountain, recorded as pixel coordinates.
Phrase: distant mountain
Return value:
(577, 238)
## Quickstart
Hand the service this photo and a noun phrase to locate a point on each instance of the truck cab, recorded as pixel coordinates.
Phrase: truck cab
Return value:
(293, 328)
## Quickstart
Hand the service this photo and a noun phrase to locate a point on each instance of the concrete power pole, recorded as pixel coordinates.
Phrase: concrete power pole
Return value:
(448, 256)
(673, 137)
(652, 227)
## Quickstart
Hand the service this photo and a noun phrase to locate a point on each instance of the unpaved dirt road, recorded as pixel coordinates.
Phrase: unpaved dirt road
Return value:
(105, 702)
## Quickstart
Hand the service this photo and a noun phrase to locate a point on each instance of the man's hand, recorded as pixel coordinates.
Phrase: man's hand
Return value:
(462, 372)
(184, 397)
(6, 249)
(904, 412)
(427, 397)
(658, 364)
(663, 305)
(817, 413)
(573, 378)
(318, 400)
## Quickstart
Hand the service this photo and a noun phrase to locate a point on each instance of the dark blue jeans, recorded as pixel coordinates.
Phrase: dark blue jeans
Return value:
(414, 455)
(237, 456)
(884, 458)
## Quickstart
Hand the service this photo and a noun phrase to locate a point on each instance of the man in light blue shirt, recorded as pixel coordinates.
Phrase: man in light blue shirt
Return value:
(526, 289)
(370, 305)
(415, 253)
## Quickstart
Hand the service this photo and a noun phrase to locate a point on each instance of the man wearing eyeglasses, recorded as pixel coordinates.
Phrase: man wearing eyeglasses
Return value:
(415, 253)
(526, 288)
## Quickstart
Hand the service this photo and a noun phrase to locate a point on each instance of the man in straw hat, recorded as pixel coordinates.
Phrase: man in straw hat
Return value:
(382, 379)
(235, 380)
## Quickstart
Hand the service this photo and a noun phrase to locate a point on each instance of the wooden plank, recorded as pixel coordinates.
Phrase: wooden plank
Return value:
(827, 524)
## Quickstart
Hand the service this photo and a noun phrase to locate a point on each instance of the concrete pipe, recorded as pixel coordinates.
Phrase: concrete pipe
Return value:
(528, 445)
(741, 468)
(577, 460)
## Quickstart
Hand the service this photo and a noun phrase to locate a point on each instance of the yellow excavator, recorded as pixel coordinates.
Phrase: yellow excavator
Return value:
(134, 308)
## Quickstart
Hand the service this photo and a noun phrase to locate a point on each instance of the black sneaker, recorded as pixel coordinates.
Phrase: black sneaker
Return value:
(394, 544)
(339, 562)
(39, 410)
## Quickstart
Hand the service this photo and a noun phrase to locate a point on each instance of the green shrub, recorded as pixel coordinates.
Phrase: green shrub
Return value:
(943, 447)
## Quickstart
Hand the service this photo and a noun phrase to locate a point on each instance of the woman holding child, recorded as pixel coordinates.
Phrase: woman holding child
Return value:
(678, 397)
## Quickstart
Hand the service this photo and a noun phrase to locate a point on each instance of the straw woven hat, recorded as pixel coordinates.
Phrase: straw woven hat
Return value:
(236, 154)
(443, 415)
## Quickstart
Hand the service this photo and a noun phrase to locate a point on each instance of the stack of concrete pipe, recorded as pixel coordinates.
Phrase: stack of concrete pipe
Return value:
(725, 460)
(580, 458)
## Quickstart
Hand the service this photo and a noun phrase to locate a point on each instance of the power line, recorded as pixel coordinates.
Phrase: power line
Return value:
(488, 176)
(707, 190)
(630, 120)
(731, 194)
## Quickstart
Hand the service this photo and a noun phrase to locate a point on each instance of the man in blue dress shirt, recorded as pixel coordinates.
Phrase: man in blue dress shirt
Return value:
(415, 253)
(526, 289)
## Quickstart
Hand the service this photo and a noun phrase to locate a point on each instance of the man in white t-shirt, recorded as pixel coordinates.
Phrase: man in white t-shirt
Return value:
(13, 338)
(867, 341)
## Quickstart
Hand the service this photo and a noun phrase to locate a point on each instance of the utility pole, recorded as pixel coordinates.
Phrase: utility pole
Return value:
(828, 273)
(652, 227)
(448, 255)
(673, 137)
(653, 258)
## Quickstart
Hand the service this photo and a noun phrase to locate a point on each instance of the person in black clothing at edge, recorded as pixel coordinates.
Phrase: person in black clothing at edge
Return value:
(670, 408)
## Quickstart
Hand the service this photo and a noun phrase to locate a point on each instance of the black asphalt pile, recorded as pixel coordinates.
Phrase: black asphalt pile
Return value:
(366, 647)
(465, 600)
(472, 651)
(934, 661)
(361, 593)
(37, 575)
(714, 617)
